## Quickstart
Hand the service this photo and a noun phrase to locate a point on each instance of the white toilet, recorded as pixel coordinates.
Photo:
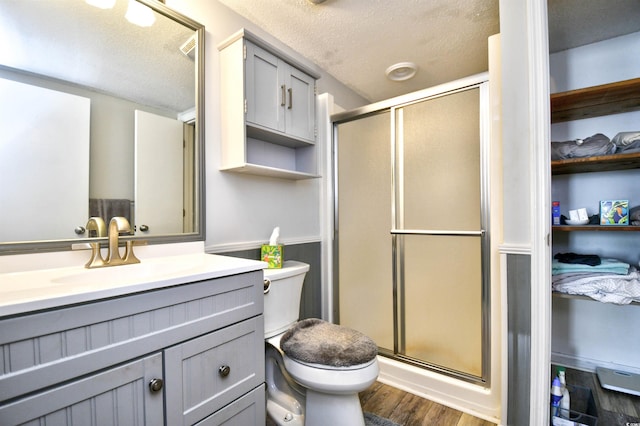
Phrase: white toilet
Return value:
(315, 379)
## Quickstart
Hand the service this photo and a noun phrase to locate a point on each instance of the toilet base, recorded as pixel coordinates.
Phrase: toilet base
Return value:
(324, 409)
(283, 417)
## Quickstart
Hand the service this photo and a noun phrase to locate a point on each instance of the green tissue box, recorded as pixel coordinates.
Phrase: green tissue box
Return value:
(273, 255)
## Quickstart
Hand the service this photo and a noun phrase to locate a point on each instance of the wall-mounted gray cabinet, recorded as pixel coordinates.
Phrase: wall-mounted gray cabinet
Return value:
(181, 355)
(268, 110)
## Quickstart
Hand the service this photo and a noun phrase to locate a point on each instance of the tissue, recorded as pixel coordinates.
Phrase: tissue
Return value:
(273, 252)
(273, 241)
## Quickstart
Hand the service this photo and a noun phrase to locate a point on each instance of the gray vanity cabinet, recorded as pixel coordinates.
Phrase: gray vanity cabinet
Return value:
(176, 356)
(115, 396)
(269, 110)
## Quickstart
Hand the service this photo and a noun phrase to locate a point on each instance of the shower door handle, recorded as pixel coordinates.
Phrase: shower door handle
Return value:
(436, 232)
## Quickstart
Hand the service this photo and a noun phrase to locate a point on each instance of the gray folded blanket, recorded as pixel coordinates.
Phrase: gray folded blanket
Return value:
(320, 342)
(634, 216)
(595, 145)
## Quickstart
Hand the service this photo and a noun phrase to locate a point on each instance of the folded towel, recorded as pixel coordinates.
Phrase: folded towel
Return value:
(612, 266)
(108, 208)
(608, 288)
(582, 259)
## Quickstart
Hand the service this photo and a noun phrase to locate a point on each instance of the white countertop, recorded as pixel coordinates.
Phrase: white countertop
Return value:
(22, 292)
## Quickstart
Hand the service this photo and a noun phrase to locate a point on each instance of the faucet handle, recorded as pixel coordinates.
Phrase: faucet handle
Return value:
(96, 224)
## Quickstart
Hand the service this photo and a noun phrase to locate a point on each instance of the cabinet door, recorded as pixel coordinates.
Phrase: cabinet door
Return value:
(207, 373)
(118, 396)
(300, 109)
(265, 89)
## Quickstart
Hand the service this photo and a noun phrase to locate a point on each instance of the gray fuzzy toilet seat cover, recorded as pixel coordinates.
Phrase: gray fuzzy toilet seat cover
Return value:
(320, 342)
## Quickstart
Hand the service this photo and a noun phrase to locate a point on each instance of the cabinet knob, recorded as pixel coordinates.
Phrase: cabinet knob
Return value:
(156, 385)
(224, 370)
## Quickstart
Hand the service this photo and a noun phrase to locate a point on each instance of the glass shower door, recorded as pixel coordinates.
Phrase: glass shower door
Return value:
(411, 236)
(365, 277)
(439, 233)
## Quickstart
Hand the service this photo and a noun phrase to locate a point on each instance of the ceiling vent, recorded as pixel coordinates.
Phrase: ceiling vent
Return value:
(189, 47)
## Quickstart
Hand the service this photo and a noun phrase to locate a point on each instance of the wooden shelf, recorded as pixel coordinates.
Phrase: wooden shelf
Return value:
(597, 228)
(603, 163)
(613, 98)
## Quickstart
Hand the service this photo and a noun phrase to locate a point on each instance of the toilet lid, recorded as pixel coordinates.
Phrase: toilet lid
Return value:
(316, 341)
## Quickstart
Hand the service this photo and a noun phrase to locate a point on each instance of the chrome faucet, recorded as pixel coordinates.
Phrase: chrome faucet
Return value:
(96, 228)
(117, 226)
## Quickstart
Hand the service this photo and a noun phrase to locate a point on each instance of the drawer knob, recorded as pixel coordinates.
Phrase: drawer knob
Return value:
(156, 385)
(224, 370)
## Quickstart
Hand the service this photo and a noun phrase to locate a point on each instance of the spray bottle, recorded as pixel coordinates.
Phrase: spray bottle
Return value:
(565, 402)
(556, 396)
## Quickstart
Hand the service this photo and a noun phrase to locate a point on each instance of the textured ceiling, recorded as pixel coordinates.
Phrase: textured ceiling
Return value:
(356, 40)
(353, 40)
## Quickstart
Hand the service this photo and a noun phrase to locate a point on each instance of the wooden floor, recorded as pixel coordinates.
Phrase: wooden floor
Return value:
(409, 410)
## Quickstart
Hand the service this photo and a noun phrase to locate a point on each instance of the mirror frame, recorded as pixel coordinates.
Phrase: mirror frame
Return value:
(30, 247)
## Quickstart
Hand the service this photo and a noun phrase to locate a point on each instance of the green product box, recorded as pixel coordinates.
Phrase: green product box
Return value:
(273, 255)
(614, 212)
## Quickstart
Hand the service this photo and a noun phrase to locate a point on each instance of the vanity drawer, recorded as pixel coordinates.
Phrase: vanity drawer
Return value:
(45, 348)
(248, 410)
(207, 373)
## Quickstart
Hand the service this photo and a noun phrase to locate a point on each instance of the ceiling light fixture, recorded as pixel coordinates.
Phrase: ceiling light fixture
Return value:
(316, 1)
(401, 71)
(140, 14)
(102, 4)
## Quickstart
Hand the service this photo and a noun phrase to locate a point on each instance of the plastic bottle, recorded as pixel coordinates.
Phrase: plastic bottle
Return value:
(565, 402)
(556, 396)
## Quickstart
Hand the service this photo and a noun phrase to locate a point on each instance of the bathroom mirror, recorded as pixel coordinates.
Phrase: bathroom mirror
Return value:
(102, 116)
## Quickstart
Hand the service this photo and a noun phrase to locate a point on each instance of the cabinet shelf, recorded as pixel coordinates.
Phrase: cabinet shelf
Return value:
(597, 228)
(602, 163)
(278, 138)
(613, 98)
(257, 169)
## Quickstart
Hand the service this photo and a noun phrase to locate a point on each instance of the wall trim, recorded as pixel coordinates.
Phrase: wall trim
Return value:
(250, 245)
(515, 249)
(540, 217)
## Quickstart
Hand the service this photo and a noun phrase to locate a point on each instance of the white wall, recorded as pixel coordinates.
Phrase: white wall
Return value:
(242, 210)
(588, 333)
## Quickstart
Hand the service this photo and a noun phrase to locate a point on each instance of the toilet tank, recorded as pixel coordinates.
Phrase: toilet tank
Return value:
(282, 300)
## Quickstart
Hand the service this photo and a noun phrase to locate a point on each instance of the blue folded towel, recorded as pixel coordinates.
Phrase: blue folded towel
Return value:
(609, 266)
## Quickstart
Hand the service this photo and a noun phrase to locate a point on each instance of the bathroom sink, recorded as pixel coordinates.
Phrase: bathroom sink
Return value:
(135, 273)
(46, 288)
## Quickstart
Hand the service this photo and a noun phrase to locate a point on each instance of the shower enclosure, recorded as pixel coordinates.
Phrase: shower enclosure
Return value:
(411, 228)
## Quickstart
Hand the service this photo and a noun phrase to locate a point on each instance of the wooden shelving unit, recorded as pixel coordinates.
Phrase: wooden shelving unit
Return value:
(602, 163)
(605, 228)
(606, 99)
(613, 98)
